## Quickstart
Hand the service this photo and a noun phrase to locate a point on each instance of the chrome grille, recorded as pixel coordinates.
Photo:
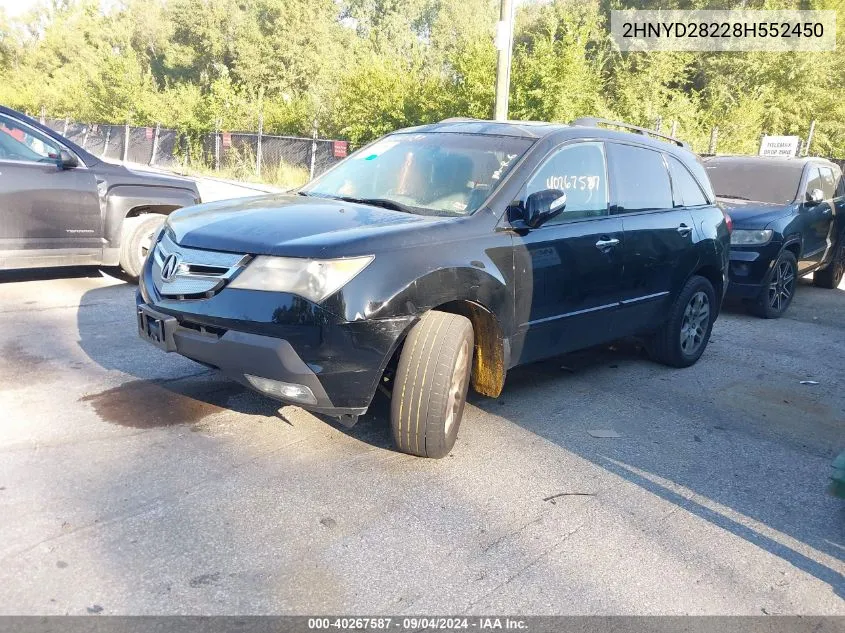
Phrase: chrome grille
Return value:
(196, 271)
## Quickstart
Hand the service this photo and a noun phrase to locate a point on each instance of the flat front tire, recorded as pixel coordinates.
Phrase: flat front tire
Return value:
(430, 388)
(136, 241)
(681, 341)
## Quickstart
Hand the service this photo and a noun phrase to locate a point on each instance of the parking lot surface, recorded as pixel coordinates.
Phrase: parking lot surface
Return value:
(134, 482)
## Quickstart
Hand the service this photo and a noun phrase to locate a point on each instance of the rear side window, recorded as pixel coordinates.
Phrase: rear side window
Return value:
(639, 179)
(685, 190)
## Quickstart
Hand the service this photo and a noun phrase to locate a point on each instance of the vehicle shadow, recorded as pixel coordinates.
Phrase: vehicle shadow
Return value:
(167, 389)
(44, 274)
(683, 445)
(715, 469)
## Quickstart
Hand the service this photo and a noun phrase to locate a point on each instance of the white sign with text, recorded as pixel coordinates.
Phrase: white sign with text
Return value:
(783, 146)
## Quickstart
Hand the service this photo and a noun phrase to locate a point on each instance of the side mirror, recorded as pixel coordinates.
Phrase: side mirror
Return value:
(542, 206)
(814, 197)
(67, 160)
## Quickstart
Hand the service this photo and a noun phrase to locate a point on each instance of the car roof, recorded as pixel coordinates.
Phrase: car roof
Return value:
(526, 129)
(580, 128)
(798, 162)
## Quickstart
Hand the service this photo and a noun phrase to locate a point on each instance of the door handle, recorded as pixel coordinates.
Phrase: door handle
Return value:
(604, 243)
(684, 230)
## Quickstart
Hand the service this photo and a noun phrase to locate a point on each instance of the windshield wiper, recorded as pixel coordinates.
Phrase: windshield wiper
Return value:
(385, 203)
(732, 197)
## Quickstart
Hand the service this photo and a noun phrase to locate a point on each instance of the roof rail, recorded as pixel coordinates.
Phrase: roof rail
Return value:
(589, 121)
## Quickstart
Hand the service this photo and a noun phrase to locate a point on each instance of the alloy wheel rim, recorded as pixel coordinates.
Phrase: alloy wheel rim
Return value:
(695, 322)
(456, 387)
(781, 286)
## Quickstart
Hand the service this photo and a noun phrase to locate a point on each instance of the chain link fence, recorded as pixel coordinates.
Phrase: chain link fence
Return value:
(243, 155)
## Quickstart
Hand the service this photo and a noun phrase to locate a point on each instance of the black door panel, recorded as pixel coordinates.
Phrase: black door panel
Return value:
(569, 286)
(659, 257)
(42, 206)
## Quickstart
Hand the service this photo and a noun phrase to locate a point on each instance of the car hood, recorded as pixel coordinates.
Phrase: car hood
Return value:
(747, 214)
(292, 225)
(119, 175)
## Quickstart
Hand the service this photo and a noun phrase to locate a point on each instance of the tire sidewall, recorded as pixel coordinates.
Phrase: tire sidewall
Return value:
(764, 306)
(130, 260)
(438, 442)
(700, 285)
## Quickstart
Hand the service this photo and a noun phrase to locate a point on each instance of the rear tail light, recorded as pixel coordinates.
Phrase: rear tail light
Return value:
(728, 220)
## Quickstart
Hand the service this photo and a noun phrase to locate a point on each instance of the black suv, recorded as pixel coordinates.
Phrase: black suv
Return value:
(787, 215)
(443, 255)
(62, 206)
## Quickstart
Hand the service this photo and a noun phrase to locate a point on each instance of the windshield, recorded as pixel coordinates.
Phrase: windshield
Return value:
(429, 174)
(772, 182)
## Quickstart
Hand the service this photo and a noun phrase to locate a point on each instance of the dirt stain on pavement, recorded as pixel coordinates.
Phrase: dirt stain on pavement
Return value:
(16, 362)
(143, 404)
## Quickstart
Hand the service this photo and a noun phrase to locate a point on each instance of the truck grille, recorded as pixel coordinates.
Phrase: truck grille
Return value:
(191, 273)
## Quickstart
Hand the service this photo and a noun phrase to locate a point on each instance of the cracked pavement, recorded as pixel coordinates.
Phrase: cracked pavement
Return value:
(134, 482)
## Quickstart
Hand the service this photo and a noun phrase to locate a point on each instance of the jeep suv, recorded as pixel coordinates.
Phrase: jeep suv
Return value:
(442, 256)
(62, 206)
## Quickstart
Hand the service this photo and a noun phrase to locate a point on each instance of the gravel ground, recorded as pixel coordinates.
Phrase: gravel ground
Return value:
(135, 482)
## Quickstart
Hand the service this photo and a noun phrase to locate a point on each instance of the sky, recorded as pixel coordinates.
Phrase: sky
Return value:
(16, 7)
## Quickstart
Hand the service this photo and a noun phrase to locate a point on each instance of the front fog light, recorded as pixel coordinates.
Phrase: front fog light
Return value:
(284, 390)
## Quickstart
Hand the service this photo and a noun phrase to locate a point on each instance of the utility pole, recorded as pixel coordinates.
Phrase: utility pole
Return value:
(810, 137)
(504, 44)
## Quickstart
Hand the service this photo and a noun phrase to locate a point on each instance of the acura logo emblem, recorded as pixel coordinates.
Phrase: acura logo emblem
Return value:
(171, 267)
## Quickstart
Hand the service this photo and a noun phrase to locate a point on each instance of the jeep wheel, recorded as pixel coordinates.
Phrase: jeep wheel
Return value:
(831, 275)
(431, 384)
(778, 292)
(682, 339)
(136, 242)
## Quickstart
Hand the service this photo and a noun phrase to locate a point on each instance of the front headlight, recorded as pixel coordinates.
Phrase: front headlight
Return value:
(314, 279)
(742, 237)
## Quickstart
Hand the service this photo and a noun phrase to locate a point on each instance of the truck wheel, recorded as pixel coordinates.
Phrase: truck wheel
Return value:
(431, 384)
(682, 339)
(780, 288)
(136, 242)
(831, 275)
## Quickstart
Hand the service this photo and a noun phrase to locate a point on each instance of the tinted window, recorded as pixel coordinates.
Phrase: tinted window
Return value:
(19, 142)
(758, 179)
(828, 183)
(579, 171)
(814, 180)
(640, 179)
(685, 189)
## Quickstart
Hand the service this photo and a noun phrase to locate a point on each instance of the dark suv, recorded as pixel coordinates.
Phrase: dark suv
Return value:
(788, 220)
(62, 206)
(443, 255)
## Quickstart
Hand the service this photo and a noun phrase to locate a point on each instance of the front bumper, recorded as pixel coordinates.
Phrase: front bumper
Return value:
(749, 269)
(279, 337)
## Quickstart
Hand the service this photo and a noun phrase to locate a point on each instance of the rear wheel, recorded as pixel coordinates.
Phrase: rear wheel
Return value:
(831, 275)
(431, 384)
(136, 242)
(682, 339)
(778, 292)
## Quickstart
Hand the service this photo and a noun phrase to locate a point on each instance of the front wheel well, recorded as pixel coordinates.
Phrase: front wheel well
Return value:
(161, 209)
(488, 365)
(794, 248)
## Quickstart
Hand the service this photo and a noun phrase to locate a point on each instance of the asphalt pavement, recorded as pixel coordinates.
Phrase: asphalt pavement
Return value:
(138, 482)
